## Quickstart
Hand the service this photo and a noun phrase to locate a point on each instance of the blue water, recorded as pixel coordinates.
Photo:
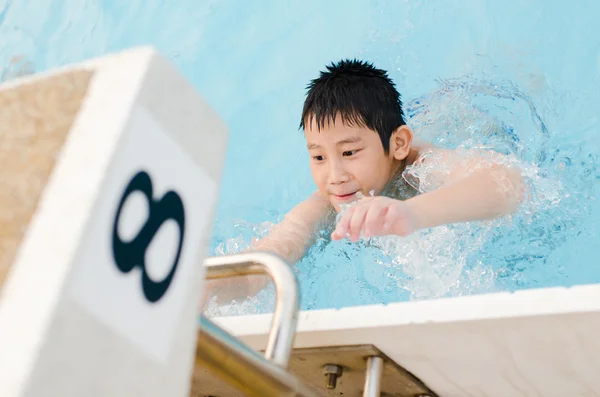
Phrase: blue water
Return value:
(522, 76)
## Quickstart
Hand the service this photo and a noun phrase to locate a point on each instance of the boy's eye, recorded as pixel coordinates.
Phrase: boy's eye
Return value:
(318, 158)
(349, 152)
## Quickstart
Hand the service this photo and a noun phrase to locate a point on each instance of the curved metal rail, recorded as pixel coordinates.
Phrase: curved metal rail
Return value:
(285, 317)
(243, 368)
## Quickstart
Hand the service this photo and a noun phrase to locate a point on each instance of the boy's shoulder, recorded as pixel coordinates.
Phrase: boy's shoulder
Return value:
(422, 152)
(447, 159)
(428, 167)
(437, 166)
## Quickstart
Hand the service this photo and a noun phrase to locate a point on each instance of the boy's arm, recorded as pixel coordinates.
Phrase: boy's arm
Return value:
(477, 189)
(297, 232)
(289, 239)
(468, 191)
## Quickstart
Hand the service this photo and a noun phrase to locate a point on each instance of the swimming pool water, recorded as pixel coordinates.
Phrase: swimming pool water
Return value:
(521, 76)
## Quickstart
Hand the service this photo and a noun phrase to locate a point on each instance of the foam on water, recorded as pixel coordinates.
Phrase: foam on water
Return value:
(443, 261)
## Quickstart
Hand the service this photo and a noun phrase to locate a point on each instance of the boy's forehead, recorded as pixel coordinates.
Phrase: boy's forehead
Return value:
(337, 133)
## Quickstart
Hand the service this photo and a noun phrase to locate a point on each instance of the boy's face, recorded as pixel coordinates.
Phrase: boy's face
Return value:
(347, 159)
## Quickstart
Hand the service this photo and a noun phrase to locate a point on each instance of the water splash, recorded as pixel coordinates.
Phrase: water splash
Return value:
(445, 261)
(472, 109)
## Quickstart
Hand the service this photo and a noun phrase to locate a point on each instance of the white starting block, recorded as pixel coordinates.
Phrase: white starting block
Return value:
(540, 342)
(109, 173)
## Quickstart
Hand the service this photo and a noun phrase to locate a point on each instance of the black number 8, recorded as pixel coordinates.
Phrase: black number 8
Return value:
(128, 255)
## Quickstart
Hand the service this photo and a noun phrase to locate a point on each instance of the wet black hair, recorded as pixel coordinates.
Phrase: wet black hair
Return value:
(360, 93)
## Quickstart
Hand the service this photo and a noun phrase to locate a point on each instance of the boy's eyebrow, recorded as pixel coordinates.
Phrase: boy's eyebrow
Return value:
(352, 139)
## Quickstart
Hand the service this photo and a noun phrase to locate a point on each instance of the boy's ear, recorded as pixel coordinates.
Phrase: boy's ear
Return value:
(400, 142)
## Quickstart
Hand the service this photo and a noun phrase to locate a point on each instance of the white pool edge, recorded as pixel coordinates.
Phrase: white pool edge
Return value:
(523, 303)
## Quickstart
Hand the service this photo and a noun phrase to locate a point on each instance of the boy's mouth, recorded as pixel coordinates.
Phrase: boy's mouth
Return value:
(344, 197)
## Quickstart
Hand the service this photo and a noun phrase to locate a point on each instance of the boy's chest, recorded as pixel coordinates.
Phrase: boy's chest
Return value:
(401, 190)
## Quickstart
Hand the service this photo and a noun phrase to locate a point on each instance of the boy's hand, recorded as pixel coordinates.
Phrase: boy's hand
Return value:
(376, 216)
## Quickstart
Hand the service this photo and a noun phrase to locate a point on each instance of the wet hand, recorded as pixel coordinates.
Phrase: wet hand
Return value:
(376, 216)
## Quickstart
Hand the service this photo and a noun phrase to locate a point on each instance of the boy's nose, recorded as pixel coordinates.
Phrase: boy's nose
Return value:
(337, 173)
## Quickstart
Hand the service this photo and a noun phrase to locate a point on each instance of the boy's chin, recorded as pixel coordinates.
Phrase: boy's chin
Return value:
(338, 205)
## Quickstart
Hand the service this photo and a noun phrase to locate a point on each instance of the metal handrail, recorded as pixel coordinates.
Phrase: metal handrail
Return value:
(287, 305)
(242, 367)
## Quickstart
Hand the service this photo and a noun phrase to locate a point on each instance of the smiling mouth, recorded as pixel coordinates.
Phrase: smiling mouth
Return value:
(344, 196)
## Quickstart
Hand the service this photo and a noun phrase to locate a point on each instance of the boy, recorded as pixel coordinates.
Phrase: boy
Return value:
(359, 145)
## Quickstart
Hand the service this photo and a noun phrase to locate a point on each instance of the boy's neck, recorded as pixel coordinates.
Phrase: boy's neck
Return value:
(396, 186)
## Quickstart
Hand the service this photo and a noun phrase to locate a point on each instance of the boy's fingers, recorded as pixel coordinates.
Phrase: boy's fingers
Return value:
(373, 220)
(338, 234)
(357, 221)
(343, 225)
(391, 217)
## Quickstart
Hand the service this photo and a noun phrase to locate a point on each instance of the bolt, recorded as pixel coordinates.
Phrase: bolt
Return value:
(333, 372)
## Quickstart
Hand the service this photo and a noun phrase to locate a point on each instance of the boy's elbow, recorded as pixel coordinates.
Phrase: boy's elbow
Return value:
(511, 186)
